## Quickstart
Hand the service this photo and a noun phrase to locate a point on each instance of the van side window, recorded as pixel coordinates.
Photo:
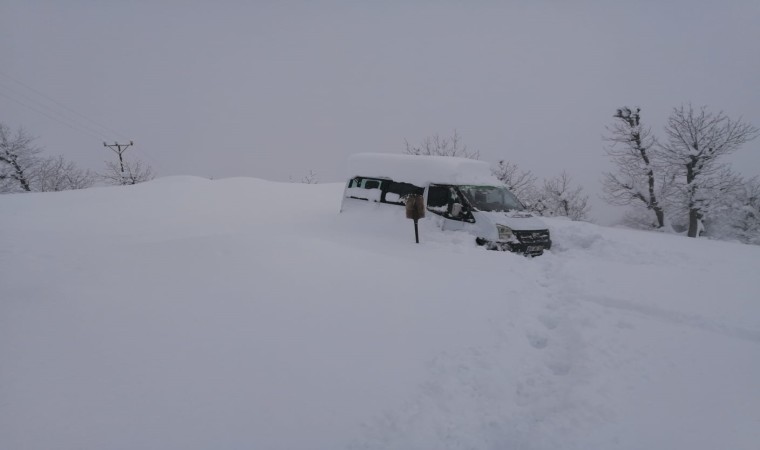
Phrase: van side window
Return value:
(365, 189)
(438, 198)
(396, 193)
(441, 199)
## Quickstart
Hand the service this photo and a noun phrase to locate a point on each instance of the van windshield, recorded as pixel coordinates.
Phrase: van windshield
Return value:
(491, 198)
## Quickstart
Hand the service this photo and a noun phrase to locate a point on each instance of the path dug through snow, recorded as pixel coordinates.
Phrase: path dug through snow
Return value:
(192, 314)
(572, 370)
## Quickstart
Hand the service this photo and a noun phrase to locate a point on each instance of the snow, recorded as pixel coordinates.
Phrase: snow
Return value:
(372, 195)
(186, 313)
(392, 197)
(421, 170)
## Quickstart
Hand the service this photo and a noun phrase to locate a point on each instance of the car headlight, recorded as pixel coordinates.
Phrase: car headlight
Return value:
(505, 233)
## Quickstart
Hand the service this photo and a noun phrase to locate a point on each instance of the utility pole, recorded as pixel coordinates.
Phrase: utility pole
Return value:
(119, 149)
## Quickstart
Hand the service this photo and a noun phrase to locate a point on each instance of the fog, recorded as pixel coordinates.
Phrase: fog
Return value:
(275, 89)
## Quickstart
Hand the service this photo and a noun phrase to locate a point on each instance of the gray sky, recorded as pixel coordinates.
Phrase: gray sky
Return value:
(272, 89)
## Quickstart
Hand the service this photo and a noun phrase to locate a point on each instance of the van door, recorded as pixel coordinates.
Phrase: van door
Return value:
(441, 200)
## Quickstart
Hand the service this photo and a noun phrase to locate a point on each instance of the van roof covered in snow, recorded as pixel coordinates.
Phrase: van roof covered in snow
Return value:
(421, 170)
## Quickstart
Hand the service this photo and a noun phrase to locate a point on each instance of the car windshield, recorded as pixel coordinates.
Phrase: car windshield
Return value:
(491, 198)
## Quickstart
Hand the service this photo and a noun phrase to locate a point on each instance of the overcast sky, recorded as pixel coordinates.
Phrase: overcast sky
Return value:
(272, 89)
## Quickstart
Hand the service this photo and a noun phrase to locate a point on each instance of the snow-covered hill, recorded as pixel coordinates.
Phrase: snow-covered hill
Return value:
(186, 313)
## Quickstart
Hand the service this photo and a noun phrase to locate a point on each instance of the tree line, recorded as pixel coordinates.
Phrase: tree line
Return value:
(24, 168)
(678, 183)
(683, 182)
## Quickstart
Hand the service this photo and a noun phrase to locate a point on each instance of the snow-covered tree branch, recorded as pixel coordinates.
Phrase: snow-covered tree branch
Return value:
(18, 160)
(521, 183)
(634, 151)
(560, 198)
(697, 142)
(22, 169)
(58, 174)
(442, 146)
(130, 172)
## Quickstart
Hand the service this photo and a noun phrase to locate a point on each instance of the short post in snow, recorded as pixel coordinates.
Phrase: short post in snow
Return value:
(415, 210)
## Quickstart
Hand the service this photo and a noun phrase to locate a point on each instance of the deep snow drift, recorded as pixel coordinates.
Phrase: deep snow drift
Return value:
(193, 314)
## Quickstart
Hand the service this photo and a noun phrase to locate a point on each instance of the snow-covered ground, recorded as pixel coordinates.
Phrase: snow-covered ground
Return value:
(186, 313)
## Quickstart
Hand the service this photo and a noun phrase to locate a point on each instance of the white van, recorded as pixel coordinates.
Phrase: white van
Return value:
(461, 194)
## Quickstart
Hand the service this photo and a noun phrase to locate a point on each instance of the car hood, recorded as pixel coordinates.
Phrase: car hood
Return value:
(516, 220)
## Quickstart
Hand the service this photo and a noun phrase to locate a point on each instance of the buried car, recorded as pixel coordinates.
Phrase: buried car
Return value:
(461, 194)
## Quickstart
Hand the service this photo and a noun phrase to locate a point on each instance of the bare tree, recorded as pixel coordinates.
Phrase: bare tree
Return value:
(747, 225)
(18, 159)
(697, 142)
(23, 170)
(634, 151)
(310, 178)
(127, 172)
(638, 217)
(57, 174)
(521, 183)
(738, 216)
(560, 198)
(442, 146)
(746, 209)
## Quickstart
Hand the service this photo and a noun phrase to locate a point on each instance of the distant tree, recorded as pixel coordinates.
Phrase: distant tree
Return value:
(310, 178)
(18, 160)
(737, 218)
(638, 217)
(442, 146)
(521, 183)
(22, 169)
(127, 172)
(639, 178)
(746, 211)
(57, 174)
(697, 141)
(560, 198)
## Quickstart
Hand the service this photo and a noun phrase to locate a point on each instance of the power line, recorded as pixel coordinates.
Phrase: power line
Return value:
(152, 160)
(59, 116)
(61, 105)
(72, 126)
(45, 107)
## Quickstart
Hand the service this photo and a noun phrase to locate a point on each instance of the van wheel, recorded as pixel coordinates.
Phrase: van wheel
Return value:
(488, 244)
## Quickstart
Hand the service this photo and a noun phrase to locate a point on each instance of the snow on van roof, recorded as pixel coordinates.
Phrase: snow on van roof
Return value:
(421, 170)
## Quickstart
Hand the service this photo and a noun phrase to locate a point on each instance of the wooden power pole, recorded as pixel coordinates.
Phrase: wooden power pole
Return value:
(119, 149)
